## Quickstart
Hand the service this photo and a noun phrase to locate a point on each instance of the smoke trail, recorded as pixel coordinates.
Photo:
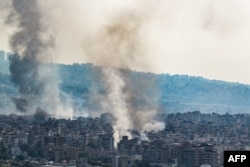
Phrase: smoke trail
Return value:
(37, 82)
(120, 43)
(117, 104)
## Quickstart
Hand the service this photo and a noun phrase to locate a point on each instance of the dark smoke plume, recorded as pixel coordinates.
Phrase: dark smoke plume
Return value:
(36, 83)
(40, 115)
(24, 74)
(27, 45)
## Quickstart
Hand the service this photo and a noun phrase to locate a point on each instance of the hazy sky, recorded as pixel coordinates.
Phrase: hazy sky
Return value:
(208, 38)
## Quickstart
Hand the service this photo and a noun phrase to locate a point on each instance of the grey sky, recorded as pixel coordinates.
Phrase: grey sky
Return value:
(208, 38)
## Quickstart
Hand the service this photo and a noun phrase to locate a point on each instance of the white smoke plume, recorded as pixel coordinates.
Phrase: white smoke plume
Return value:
(143, 137)
(117, 104)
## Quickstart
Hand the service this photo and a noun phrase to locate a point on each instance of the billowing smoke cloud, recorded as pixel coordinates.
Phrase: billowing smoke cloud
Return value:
(117, 40)
(121, 43)
(37, 82)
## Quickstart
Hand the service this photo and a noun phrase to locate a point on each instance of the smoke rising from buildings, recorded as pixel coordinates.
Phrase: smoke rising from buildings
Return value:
(40, 115)
(37, 83)
(120, 43)
(117, 104)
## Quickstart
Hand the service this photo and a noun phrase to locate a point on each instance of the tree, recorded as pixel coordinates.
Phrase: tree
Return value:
(35, 150)
(142, 163)
(4, 153)
(20, 157)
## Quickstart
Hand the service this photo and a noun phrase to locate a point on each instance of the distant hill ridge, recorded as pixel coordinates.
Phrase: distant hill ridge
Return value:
(172, 93)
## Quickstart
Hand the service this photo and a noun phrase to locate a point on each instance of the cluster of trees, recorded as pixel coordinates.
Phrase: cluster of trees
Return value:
(34, 151)
(4, 153)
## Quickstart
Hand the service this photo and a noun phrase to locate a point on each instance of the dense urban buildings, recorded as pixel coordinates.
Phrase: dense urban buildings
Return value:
(189, 139)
